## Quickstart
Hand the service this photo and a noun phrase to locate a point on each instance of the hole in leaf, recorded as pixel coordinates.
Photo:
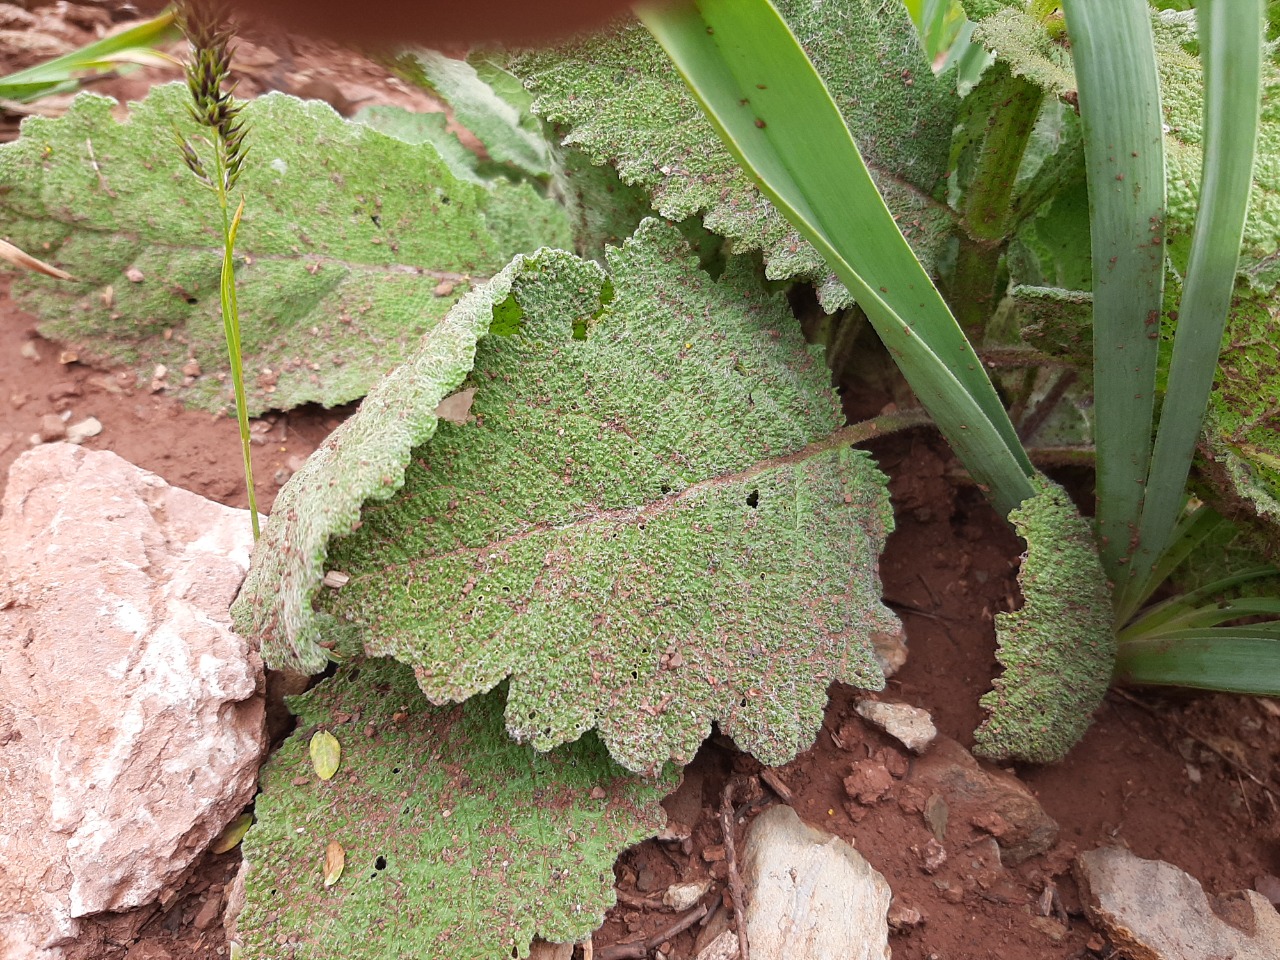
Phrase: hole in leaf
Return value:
(635, 675)
(380, 863)
(354, 675)
(193, 300)
(742, 702)
(507, 316)
(664, 489)
(395, 769)
(753, 499)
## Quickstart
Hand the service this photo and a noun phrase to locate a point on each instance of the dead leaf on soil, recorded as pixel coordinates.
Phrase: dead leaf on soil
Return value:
(326, 754)
(335, 858)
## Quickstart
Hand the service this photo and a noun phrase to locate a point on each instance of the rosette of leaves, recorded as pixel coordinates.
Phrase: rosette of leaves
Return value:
(648, 525)
(454, 841)
(617, 98)
(348, 252)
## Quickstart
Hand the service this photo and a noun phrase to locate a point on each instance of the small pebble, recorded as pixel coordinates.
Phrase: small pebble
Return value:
(82, 431)
(52, 427)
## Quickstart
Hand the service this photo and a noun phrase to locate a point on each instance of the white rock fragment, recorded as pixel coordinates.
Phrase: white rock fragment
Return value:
(1151, 909)
(910, 726)
(681, 896)
(811, 896)
(723, 947)
(131, 716)
(82, 431)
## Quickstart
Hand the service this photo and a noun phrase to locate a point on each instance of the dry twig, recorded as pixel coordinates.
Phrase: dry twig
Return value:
(736, 891)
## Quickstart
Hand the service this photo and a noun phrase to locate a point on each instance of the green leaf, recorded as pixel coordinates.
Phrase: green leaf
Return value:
(623, 103)
(364, 459)
(648, 530)
(1020, 40)
(1231, 47)
(1115, 63)
(136, 46)
(341, 247)
(1182, 85)
(326, 754)
(429, 128)
(458, 843)
(1058, 650)
(1238, 659)
(773, 111)
(511, 135)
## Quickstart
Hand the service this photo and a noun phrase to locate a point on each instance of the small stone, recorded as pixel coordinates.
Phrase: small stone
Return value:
(869, 782)
(598, 793)
(541, 950)
(1050, 927)
(67, 357)
(810, 895)
(208, 914)
(1153, 910)
(444, 288)
(933, 856)
(902, 917)
(1269, 887)
(82, 431)
(64, 389)
(723, 947)
(29, 350)
(910, 726)
(970, 790)
(681, 896)
(936, 815)
(191, 368)
(134, 275)
(52, 427)
(713, 853)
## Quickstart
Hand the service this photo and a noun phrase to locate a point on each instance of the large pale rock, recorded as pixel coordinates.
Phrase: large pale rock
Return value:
(998, 802)
(811, 896)
(131, 717)
(1154, 911)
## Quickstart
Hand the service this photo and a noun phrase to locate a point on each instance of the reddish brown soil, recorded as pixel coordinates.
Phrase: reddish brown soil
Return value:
(1171, 776)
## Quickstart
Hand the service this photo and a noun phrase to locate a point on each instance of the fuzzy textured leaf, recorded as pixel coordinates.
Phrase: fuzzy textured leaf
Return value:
(643, 528)
(622, 102)
(457, 843)
(364, 459)
(1243, 423)
(1058, 650)
(1182, 100)
(346, 234)
(1018, 39)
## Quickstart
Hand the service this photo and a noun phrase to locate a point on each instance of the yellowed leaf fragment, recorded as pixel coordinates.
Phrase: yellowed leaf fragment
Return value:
(233, 834)
(326, 754)
(335, 858)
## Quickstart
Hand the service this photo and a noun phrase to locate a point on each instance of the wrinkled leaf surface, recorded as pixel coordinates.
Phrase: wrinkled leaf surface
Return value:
(641, 527)
(457, 843)
(346, 234)
(622, 102)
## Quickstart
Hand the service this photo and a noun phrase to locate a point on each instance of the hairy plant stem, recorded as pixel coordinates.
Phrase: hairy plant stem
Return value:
(988, 203)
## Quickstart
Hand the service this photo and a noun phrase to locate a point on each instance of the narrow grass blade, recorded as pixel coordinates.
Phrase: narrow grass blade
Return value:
(1115, 61)
(1220, 658)
(1231, 50)
(1171, 612)
(135, 45)
(775, 115)
(1186, 534)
